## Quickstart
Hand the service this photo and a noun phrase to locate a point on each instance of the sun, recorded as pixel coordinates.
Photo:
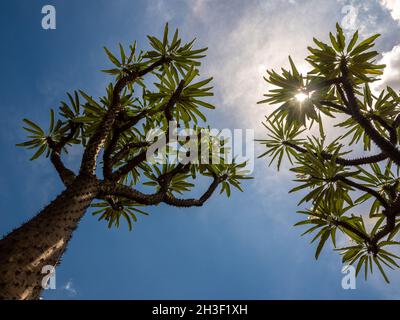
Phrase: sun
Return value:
(301, 97)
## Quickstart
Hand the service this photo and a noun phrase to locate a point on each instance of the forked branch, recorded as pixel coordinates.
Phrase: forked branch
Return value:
(66, 175)
(102, 132)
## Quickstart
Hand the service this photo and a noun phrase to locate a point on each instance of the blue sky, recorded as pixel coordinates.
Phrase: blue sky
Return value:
(242, 248)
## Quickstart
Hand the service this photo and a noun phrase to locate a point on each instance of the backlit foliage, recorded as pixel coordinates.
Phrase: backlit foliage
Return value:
(155, 87)
(338, 183)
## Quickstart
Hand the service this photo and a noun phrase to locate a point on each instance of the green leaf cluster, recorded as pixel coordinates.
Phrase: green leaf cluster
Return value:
(337, 183)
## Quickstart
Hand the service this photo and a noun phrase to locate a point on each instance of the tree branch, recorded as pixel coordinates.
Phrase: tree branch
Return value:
(342, 161)
(387, 229)
(382, 122)
(349, 227)
(111, 188)
(390, 215)
(385, 145)
(324, 83)
(361, 187)
(335, 106)
(66, 175)
(116, 134)
(125, 150)
(171, 200)
(167, 109)
(102, 132)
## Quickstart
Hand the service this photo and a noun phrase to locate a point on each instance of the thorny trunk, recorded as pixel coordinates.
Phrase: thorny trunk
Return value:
(42, 240)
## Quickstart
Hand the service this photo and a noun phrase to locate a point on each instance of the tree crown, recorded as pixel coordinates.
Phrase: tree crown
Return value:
(150, 90)
(341, 182)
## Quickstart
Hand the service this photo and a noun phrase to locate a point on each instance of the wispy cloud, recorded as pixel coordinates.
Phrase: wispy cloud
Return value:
(159, 8)
(69, 287)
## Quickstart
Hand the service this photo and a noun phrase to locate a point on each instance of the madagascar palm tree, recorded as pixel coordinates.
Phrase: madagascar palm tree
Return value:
(342, 182)
(118, 125)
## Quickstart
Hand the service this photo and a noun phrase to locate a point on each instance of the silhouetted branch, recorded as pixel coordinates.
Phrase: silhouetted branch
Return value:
(385, 145)
(361, 187)
(171, 200)
(167, 109)
(66, 175)
(97, 140)
(111, 188)
(342, 161)
(335, 106)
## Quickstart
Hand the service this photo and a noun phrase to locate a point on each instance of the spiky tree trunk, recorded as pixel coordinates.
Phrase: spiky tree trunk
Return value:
(42, 241)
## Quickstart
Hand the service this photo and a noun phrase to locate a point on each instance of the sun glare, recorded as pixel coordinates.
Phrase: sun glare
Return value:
(301, 96)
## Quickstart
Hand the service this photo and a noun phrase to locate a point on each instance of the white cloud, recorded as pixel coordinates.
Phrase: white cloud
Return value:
(349, 21)
(257, 40)
(391, 76)
(366, 16)
(393, 6)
